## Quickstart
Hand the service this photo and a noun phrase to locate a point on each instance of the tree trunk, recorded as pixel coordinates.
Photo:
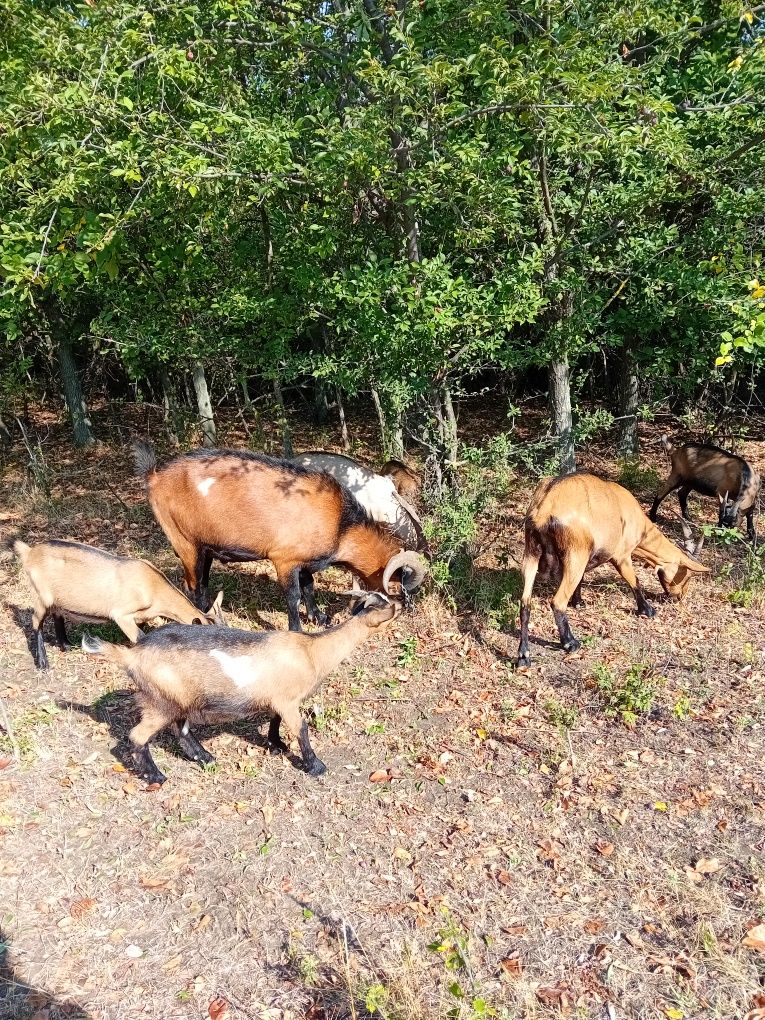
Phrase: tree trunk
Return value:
(320, 402)
(204, 404)
(627, 396)
(560, 410)
(287, 450)
(341, 415)
(70, 381)
(173, 418)
(391, 431)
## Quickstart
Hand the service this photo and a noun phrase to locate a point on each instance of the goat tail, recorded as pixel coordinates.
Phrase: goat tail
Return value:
(144, 458)
(665, 442)
(21, 549)
(96, 646)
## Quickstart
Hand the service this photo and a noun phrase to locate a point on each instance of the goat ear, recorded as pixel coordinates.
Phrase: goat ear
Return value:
(216, 606)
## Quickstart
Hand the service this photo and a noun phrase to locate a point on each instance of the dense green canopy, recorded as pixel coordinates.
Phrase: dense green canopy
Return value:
(391, 197)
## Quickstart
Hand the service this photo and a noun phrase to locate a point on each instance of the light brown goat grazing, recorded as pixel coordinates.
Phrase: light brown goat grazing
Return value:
(236, 506)
(90, 585)
(700, 467)
(407, 482)
(189, 675)
(578, 522)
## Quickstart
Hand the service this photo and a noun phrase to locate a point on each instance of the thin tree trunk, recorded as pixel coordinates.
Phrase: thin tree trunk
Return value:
(170, 405)
(450, 422)
(287, 450)
(204, 403)
(560, 410)
(75, 402)
(341, 415)
(627, 397)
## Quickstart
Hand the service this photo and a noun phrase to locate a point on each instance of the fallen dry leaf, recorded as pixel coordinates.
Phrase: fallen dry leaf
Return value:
(511, 966)
(5, 761)
(755, 938)
(707, 866)
(604, 848)
(218, 1009)
(152, 787)
(80, 908)
(594, 925)
(153, 883)
(380, 776)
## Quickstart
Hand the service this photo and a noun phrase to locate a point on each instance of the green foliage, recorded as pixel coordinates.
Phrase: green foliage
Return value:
(636, 478)
(627, 697)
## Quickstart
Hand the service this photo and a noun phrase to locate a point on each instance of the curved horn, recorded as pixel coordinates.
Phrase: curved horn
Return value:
(698, 547)
(412, 563)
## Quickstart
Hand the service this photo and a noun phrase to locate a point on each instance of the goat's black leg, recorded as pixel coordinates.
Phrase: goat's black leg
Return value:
(671, 483)
(42, 658)
(275, 743)
(314, 766)
(145, 764)
(315, 615)
(61, 639)
(291, 583)
(682, 496)
(190, 746)
(627, 571)
(529, 568)
(567, 640)
(576, 601)
(751, 534)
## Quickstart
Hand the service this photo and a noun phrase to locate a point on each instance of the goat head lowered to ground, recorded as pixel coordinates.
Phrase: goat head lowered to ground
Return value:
(699, 467)
(578, 522)
(376, 493)
(90, 585)
(188, 675)
(236, 506)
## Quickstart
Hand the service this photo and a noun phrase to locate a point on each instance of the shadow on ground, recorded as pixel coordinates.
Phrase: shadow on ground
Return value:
(19, 1000)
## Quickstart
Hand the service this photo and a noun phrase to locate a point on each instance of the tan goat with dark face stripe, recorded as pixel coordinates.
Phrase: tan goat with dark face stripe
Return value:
(578, 522)
(190, 675)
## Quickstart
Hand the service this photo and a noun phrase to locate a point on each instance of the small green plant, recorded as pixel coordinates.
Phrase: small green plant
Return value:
(636, 478)
(373, 728)
(752, 582)
(24, 727)
(682, 707)
(407, 656)
(561, 716)
(320, 717)
(629, 697)
(376, 999)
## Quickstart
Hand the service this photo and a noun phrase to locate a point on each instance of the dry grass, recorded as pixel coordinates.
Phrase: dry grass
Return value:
(535, 858)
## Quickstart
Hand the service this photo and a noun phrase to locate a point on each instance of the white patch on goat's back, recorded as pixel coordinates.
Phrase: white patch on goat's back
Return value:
(205, 484)
(238, 668)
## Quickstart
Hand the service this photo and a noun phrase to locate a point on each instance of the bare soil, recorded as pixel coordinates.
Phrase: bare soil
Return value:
(531, 856)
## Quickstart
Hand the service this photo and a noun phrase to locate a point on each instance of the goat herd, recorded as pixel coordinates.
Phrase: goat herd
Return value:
(306, 515)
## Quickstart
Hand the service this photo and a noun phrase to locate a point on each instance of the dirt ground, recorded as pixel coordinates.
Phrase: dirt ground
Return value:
(530, 856)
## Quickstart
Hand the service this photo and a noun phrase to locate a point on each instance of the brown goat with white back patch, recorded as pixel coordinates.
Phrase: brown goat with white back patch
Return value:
(236, 506)
(189, 675)
(578, 522)
(91, 585)
(407, 482)
(700, 467)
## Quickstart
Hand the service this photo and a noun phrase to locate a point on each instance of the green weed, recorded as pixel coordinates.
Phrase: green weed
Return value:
(636, 478)
(407, 656)
(559, 715)
(629, 697)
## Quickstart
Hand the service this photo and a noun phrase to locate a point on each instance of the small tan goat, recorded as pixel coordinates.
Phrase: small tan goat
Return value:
(190, 675)
(578, 522)
(90, 585)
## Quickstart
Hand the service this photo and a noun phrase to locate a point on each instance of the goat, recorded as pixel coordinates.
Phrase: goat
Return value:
(699, 467)
(237, 506)
(407, 482)
(90, 585)
(376, 493)
(576, 523)
(200, 676)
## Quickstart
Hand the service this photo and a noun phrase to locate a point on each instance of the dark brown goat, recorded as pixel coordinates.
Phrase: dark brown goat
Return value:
(699, 467)
(236, 506)
(579, 521)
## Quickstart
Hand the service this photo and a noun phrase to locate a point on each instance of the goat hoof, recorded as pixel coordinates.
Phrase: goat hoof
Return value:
(320, 619)
(648, 611)
(317, 769)
(154, 778)
(572, 646)
(579, 604)
(277, 747)
(43, 665)
(205, 758)
(524, 659)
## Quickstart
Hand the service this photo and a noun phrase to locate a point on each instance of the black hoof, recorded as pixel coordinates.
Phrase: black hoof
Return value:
(204, 757)
(647, 611)
(42, 664)
(524, 659)
(317, 769)
(578, 604)
(572, 646)
(320, 619)
(277, 747)
(152, 778)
